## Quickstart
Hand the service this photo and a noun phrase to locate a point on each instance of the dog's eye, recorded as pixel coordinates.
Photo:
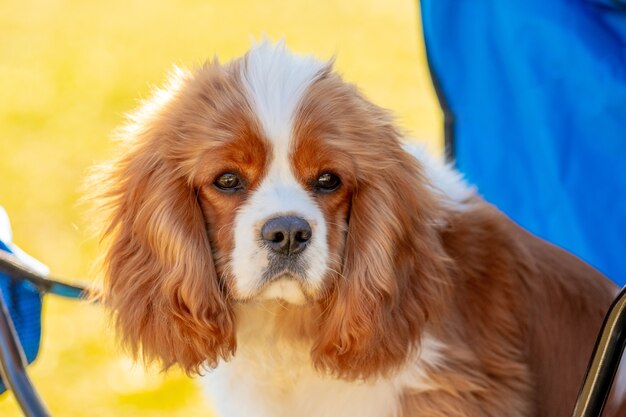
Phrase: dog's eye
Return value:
(327, 182)
(228, 182)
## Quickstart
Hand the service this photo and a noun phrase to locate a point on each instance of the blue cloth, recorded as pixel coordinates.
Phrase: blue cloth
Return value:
(537, 91)
(24, 304)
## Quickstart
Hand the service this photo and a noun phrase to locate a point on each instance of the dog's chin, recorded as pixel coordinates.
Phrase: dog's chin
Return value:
(285, 288)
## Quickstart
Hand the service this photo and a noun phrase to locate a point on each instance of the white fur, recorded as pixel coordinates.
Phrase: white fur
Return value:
(444, 180)
(274, 377)
(274, 81)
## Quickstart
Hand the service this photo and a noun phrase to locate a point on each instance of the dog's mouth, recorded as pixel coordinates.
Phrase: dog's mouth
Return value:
(285, 281)
(287, 288)
(284, 267)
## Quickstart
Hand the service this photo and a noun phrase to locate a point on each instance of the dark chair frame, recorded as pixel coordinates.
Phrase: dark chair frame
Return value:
(604, 362)
(12, 360)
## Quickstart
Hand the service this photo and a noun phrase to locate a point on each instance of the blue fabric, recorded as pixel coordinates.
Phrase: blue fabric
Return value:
(537, 89)
(24, 304)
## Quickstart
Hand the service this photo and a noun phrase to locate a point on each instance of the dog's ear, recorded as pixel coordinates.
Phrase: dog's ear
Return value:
(159, 277)
(395, 273)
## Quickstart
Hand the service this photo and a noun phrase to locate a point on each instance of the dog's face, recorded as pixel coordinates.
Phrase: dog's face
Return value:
(276, 223)
(276, 190)
(269, 179)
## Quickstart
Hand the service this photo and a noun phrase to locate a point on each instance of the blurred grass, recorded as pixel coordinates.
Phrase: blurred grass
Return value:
(69, 70)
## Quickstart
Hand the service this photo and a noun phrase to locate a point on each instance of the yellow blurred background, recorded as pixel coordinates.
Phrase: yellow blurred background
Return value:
(69, 70)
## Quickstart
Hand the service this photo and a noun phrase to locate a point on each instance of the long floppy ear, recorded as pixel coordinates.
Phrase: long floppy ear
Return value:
(159, 278)
(395, 274)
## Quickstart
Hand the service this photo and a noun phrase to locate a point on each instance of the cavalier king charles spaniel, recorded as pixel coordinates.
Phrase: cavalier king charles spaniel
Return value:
(265, 227)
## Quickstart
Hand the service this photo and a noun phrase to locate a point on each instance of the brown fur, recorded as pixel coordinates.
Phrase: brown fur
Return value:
(394, 277)
(165, 283)
(517, 316)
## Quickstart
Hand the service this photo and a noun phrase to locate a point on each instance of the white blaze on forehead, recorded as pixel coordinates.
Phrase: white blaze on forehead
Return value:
(275, 82)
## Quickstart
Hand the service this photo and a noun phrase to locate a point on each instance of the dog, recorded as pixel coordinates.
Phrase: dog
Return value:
(265, 226)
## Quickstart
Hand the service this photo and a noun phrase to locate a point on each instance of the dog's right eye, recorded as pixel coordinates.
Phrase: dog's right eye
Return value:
(228, 182)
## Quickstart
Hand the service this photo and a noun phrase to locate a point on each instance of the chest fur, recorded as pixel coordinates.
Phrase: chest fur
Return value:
(272, 375)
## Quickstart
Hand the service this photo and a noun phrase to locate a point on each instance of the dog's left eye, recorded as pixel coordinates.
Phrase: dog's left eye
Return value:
(327, 182)
(228, 182)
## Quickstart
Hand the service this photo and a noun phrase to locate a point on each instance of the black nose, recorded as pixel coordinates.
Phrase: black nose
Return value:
(287, 235)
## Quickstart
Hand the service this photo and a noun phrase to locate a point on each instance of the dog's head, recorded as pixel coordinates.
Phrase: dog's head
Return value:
(269, 179)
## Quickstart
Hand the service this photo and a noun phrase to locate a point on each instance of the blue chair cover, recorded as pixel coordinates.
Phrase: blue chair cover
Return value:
(24, 304)
(535, 91)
